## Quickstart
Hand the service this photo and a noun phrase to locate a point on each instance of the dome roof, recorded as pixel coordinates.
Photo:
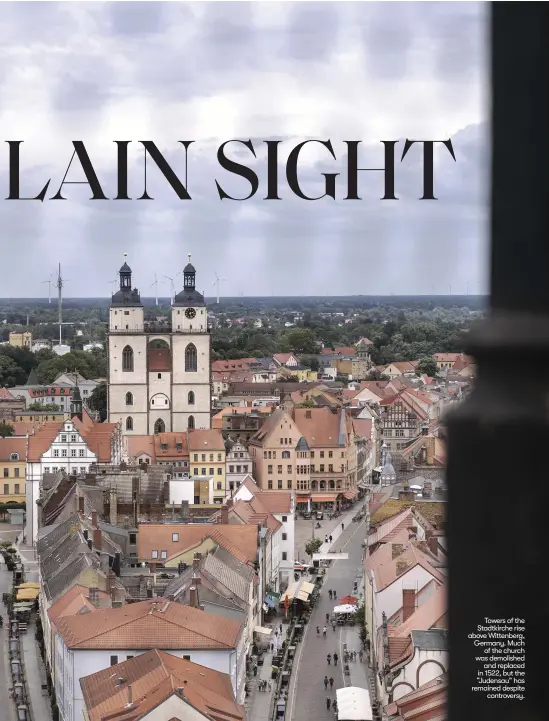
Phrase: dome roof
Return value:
(189, 268)
(125, 268)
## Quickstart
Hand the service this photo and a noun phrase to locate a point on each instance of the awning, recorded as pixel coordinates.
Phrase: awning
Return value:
(27, 594)
(378, 469)
(29, 584)
(323, 498)
(349, 495)
(300, 590)
(353, 704)
(264, 631)
(270, 602)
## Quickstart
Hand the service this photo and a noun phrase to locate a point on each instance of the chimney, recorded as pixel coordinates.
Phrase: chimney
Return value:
(90, 544)
(408, 603)
(196, 560)
(97, 539)
(130, 695)
(110, 582)
(430, 443)
(196, 580)
(433, 545)
(397, 550)
(193, 597)
(93, 596)
(81, 504)
(225, 515)
(94, 519)
(85, 534)
(401, 567)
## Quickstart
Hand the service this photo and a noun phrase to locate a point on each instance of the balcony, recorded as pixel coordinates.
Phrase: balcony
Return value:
(158, 329)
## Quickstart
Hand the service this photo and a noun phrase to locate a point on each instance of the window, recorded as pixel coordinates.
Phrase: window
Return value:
(219, 471)
(195, 457)
(64, 452)
(280, 484)
(56, 452)
(82, 469)
(16, 472)
(203, 457)
(231, 469)
(14, 457)
(114, 660)
(6, 489)
(6, 472)
(190, 423)
(160, 375)
(211, 472)
(127, 360)
(269, 469)
(73, 439)
(269, 484)
(163, 554)
(211, 457)
(331, 468)
(187, 658)
(175, 537)
(280, 469)
(129, 423)
(81, 453)
(203, 471)
(63, 439)
(190, 398)
(284, 536)
(284, 519)
(159, 426)
(322, 468)
(289, 484)
(128, 658)
(129, 399)
(322, 454)
(330, 454)
(154, 554)
(219, 488)
(285, 454)
(289, 469)
(284, 556)
(219, 457)
(73, 452)
(133, 539)
(190, 358)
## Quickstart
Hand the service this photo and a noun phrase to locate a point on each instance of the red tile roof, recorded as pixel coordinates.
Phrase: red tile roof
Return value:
(4, 393)
(153, 623)
(11, 445)
(209, 439)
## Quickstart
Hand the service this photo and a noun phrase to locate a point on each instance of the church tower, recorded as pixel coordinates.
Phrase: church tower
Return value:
(159, 373)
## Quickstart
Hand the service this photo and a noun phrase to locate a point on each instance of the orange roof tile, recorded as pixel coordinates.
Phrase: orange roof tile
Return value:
(205, 440)
(153, 623)
(154, 677)
(319, 426)
(4, 393)
(11, 445)
(177, 446)
(138, 445)
(432, 612)
(74, 601)
(240, 540)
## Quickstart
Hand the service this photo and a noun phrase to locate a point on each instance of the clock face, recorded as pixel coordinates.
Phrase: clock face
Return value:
(190, 313)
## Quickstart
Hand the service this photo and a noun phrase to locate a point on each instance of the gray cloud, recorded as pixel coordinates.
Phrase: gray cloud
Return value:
(216, 71)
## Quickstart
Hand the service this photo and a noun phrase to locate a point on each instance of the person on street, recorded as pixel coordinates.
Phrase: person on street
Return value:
(335, 659)
(324, 632)
(318, 630)
(325, 539)
(331, 683)
(330, 594)
(327, 617)
(330, 539)
(361, 655)
(329, 658)
(326, 683)
(334, 706)
(334, 624)
(328, 702)
(342, 527)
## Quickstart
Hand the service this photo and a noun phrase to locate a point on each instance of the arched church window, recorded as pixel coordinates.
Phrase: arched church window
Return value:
(127, 359)
(159, 426)
(190, 398)
(190, 423)
(129, 423)
(129, 399)
(190, 358)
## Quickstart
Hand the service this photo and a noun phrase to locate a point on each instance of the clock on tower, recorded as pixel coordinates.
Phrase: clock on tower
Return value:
(190, 313)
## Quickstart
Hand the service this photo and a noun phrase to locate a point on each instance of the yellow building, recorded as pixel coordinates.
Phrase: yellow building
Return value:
(42, 416)
(207, 458)
(20, 339)
(13, 464)
(302, 373)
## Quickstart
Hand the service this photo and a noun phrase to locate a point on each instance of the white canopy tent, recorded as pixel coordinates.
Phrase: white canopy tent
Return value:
(346, 608)
(353, 704)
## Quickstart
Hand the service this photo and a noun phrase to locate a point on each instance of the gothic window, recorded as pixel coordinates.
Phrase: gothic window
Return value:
(129, 399)
(127, 359)
(190, 359)
(190, 423)
(190, 398)
(159, 426)
(129, 423)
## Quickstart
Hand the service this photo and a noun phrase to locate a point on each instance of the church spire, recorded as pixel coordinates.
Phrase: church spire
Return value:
(189, 276)
(125, 276)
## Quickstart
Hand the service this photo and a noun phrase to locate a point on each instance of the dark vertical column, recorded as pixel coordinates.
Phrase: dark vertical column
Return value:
(498, 471)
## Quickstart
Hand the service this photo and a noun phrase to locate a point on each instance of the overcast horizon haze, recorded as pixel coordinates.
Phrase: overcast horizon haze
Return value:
(210, 72)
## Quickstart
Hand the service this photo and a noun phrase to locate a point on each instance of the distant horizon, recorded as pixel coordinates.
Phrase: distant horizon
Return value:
(212, 299)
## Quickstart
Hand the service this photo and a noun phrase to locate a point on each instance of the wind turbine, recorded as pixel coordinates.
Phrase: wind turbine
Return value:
(49, 282)
(217, 281)
(114, 284)
(60, 283)
(155, 287)
(172, 284)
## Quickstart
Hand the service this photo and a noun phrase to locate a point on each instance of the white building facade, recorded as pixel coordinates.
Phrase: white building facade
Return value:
(159, 374)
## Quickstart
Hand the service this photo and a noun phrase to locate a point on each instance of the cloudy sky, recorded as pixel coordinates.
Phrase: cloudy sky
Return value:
(215, 71)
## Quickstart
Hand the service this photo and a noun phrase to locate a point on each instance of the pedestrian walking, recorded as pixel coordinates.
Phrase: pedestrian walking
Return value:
(334, 706)
(326, 682)
(325, 539)
(272, 647)
(327, 617)
(328, 702)
(334, 624)
(255, 670)
(342, 527)
(331, 683)
(330, 539)
(335, 659)
(329, 658)
(361, 655)
(330, 594)
(324, 632)
(280, 628)
(318, 630)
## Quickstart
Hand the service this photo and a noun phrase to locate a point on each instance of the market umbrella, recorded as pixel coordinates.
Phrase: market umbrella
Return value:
(348, 601)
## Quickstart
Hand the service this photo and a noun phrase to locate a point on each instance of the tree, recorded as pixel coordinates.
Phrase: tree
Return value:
(427, 366)
(9, 371)
(6, 429)
(43, 407)
(313, 544)
(98, 400)
(307, 403)
(311, 363)
(301, 340)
